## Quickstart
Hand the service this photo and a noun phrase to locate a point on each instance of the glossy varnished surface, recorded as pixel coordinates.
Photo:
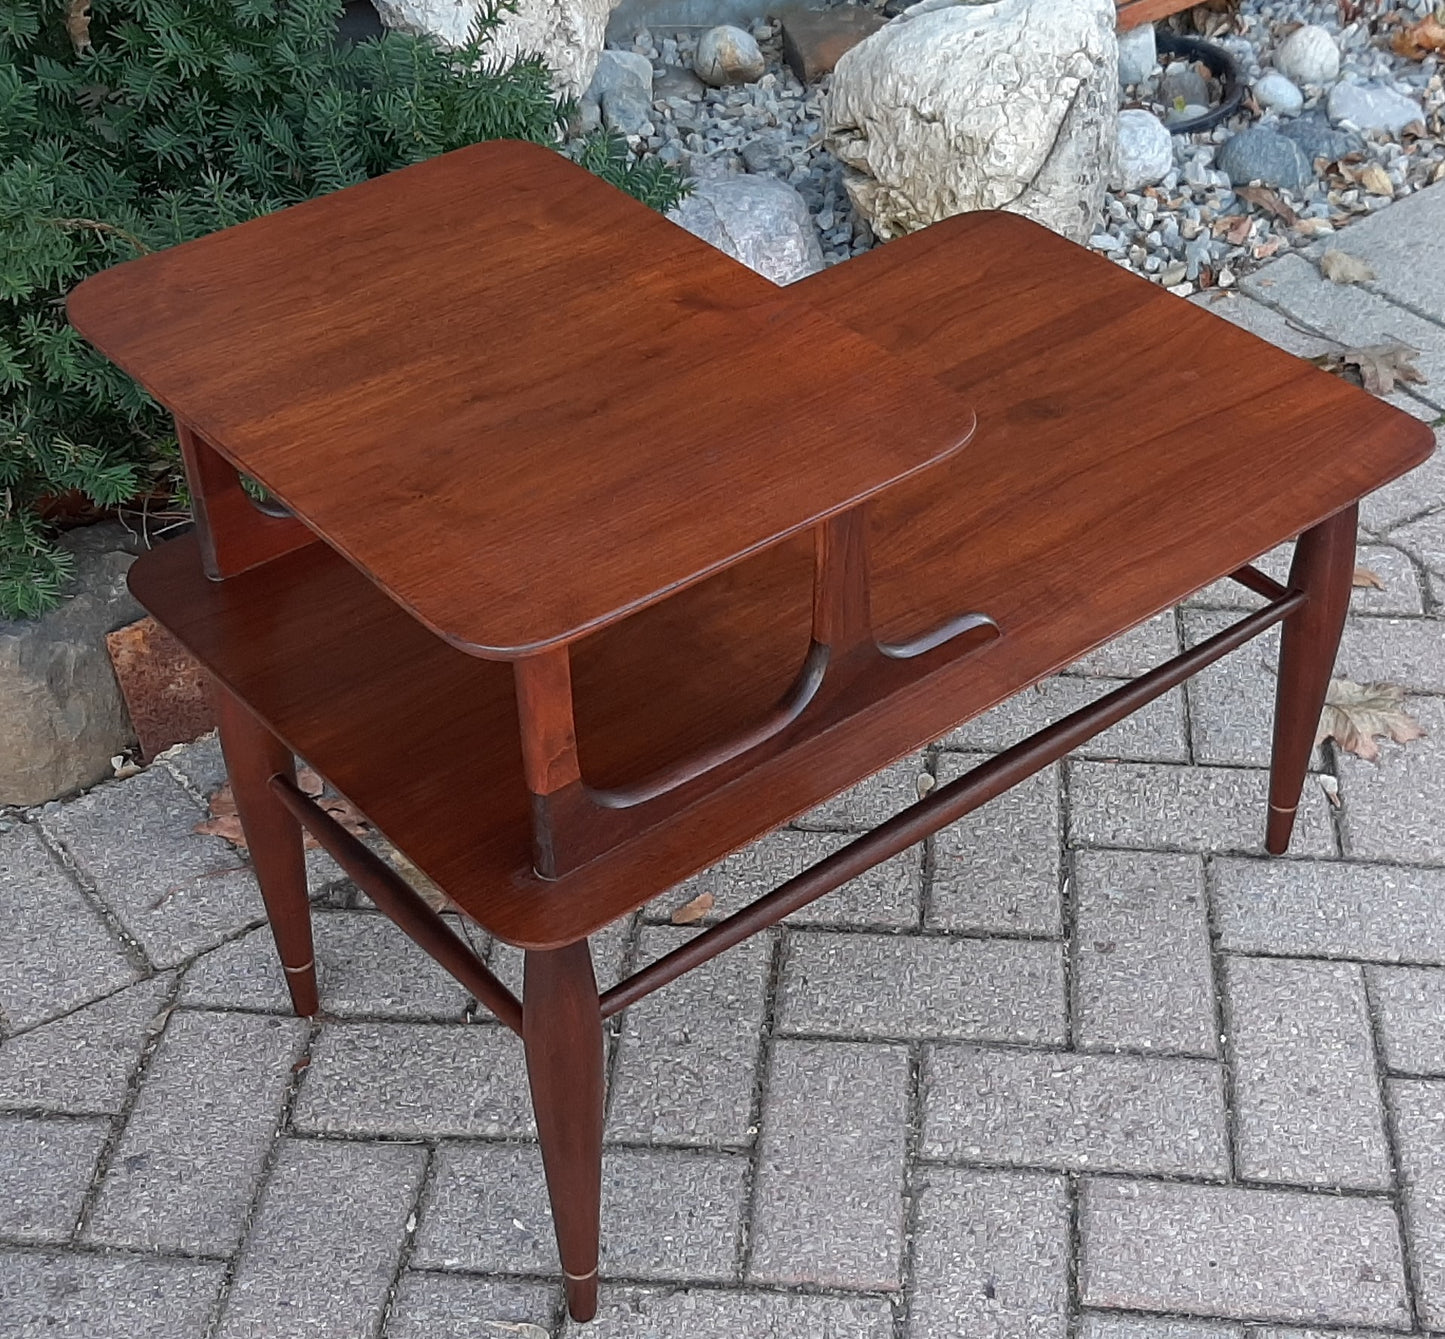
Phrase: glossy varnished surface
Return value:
(1104, 488)
(519, 400)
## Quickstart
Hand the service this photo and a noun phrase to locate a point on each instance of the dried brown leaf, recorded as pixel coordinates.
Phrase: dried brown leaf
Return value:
(1376, 367)
(1339, 267)
(223, 820)
(1365, 576)
(1236, 231)
(1314, 227)
(1376, 180)
(77, 25)
(1264, 197)
(1420, 39)
(693, 911)
(227, 826)
(1356, 713)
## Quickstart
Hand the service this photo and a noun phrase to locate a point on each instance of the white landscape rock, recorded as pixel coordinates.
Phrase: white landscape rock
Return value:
(761, 221)
(1138, 54)
(728, 55)
(1373, 107)
(1273, 91)
(620, 94)
(1145, 151)
(955, 107)
(567, 34)
(1309, 56)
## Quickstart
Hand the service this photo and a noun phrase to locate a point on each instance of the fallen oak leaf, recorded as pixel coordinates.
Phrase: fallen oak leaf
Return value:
(1356, 713)
(1270, 201)
(1376, 367)
(1365, 576)
(691, 912)
(1339, 267)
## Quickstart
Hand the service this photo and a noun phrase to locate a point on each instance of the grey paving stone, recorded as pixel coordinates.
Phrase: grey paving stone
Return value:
(1420, 1130)
(364, 965)
(897, 986)
(829, 1199)
(1306, 1093)
(689, 1053)
(1402, 593)
(885, 897)
(175, 891)
(1330, 909)
(640, 1313)
(57, 1296)
(56, 953)
(322, 1251)
(609, 947)
(415, 1080)
(182, 1175)
(459, 1306)
(1419, 491)
(1288, 1332)
(1070, 1112)
(665, 1214)
(997, 870)
(1406, 651)
(1351, 315)
(45, 1168)
(1392, 241)
(81, 1064)
(1227, 594)
(867, 804)
(1231, 704)
(200, 763)
(1143, 975)
(1392, 808)
(1226, 1252)
(1139, 649)
(1153, 734)
(991, 1255)
(1097, 1326)
(1263, 321)
(1211, 809)
(1425, 539)
(1410, 1005)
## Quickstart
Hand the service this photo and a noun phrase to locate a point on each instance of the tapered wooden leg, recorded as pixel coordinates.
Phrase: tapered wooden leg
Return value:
(1324, 567)
(562, 1033)
(253, 756)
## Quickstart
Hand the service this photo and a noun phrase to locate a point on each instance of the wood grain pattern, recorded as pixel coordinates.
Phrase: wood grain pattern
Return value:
(1134, 12)
(521, 401)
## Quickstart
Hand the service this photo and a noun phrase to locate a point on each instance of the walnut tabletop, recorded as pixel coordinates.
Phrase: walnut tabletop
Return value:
(522, 403)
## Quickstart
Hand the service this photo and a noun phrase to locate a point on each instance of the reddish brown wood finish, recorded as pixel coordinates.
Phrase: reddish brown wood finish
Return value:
(1323, 569)
(1134, 12)
(460, 390)
(253, 756)
(562, 1033)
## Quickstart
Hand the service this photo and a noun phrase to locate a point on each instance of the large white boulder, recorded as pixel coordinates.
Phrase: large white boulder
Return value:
(567, 34)
(953, 107)
(761, 221)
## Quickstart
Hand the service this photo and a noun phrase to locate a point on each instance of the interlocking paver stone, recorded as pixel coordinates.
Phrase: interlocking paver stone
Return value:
(200, 762)
(1143, 975)
(829, 1197)
(56, 952)
(414, 1080)
(61, 1296)
(1219, 809)
(364, 965)
(182, 1174)
(1420, 1128)
(885, 896)
(689, 1053)
(1227, 594)
(1154, 1327)
(440, 1306)
(1407, 651)
(1073, 1112)
(991, 1256)
(82, 1064)
(609, 948)
(1410, 1005)
(1139, 649)
(997, 869)
(1424, 538)
(175, 891)
(1402, 593)
(665, 1214)
(45, 1169)
(853, 985)
(1231, 704)
(1384, 913)
(870, 802)
(322, 1251)
(1393, 806)
(1241, 1253)
(712, 1314)
(1306, 1093)
(1153, 734)
(1410, 496)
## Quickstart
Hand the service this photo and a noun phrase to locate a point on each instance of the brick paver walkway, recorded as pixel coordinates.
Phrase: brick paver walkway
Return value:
(1084, 1065)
